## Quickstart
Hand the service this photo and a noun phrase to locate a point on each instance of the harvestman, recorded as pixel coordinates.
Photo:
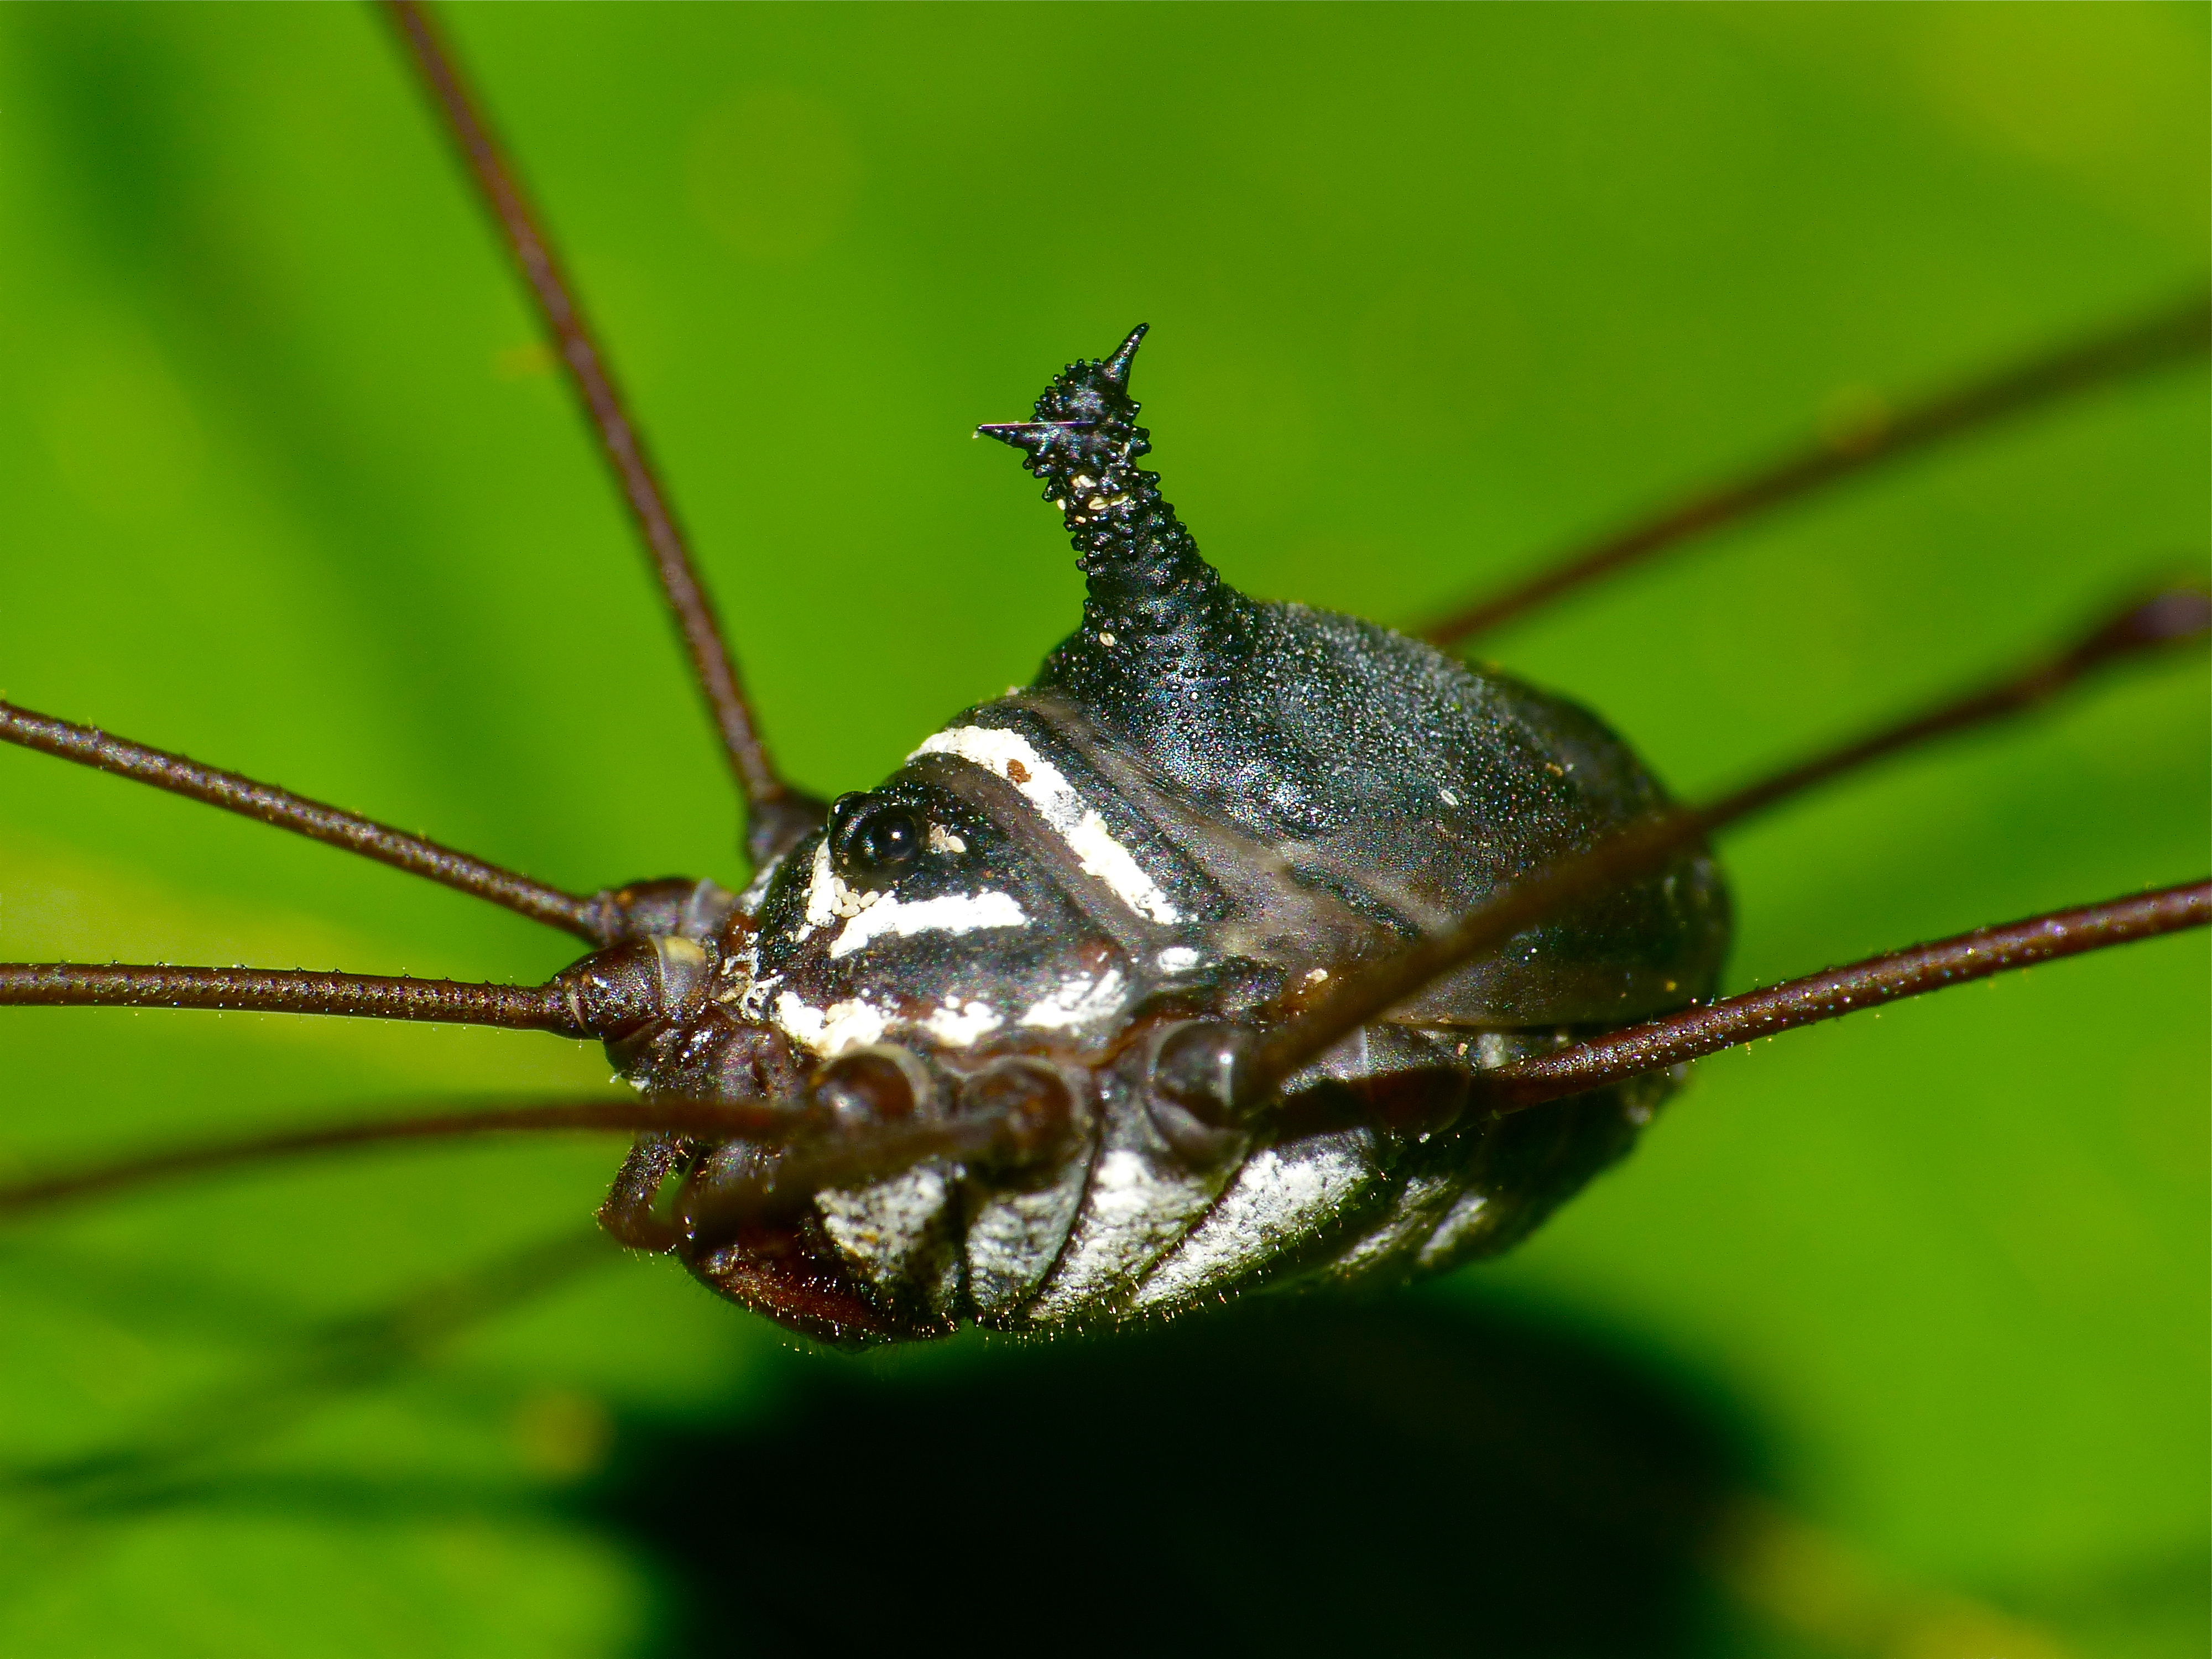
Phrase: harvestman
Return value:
(851, 1115)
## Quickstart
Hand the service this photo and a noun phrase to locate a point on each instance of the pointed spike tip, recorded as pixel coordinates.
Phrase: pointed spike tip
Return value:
(1117, 366)
(1031, 435)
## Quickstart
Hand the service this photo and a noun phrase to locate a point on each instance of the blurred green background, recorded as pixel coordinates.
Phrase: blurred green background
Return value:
(1911, 1312)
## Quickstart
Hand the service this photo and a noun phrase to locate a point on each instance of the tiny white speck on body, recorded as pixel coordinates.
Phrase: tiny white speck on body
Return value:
(960, 1024)
(1081, 1000)
(827, 896)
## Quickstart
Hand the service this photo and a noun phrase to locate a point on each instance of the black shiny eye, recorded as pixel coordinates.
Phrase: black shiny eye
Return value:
(872, 840)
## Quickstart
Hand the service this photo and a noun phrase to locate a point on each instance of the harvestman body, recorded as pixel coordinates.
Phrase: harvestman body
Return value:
(1225, 955)
(1203, 809)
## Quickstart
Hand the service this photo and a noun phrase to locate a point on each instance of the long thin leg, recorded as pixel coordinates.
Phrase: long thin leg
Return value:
(760, 1121)
(1008, 1130)
(89, 746)
(1838, 991)
(2164, 337)
(1012, 1112)
(2167, 619)
(2180, 616)
(547, 1007)
(777, 815)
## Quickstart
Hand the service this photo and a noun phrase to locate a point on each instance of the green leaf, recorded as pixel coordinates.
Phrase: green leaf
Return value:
(1909, 1312)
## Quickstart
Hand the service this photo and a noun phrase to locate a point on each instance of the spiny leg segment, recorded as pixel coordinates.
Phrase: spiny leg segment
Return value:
(777, 815)
(2166, 337)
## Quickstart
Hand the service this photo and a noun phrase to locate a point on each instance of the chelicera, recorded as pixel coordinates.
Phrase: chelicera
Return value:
(1249, 945)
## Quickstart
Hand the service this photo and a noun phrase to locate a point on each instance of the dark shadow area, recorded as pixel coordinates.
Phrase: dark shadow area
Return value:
(1406, 1476)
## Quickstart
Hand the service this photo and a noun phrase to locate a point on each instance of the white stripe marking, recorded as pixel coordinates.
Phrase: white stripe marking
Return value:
(830, 1031)
(949, 913)
(959, 1024)
(1012, 756)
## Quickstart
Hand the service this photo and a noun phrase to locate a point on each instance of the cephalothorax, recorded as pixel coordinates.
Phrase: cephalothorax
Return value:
(1225, 955)
(1203, 808)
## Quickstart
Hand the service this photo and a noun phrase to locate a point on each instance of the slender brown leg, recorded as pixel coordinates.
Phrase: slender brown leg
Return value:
(89, 746)
(544, 1007)
(2165, 336)
(1013, 1112)
(2170, 618)
(776, 814)
(762, 1121)
(1835, 991)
